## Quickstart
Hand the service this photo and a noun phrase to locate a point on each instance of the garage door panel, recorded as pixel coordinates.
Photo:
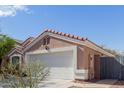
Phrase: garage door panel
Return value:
(60, 64)
(54, 59)
(61, 73)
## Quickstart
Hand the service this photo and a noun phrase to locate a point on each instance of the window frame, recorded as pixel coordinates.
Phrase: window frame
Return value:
(46, 40)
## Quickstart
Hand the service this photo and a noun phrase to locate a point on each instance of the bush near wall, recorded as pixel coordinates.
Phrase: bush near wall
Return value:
(30, 76)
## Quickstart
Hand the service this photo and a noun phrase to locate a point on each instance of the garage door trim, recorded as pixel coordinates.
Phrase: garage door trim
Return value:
(53, 50)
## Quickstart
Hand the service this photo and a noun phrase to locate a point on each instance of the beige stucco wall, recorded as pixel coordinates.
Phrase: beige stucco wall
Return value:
(83, 56)
(54, 43)
(89, 60)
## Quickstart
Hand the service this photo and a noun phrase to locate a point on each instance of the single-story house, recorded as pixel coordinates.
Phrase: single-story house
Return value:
(68, 56)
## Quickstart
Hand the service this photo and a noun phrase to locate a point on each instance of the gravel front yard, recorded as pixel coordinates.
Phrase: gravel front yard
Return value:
(118, 84)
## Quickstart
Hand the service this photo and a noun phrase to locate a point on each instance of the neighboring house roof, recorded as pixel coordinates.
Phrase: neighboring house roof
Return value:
(18, 43)
(27, 41)
(19, 48)
(67, 37)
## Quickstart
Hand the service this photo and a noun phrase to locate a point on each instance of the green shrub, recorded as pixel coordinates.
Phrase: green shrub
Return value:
(30, 76)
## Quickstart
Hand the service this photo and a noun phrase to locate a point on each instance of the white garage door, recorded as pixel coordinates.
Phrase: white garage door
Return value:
(60, 63)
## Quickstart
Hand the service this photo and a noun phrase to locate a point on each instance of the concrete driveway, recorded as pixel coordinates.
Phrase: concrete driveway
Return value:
(55, 83)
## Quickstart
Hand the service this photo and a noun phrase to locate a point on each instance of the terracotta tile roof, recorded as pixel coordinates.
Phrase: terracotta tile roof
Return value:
(65, 34)
(72, 36)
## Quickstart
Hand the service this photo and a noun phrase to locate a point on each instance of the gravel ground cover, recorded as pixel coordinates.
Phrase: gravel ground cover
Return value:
(118, 84)
(87, 84)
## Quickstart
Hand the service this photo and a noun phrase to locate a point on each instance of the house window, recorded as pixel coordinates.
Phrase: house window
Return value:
(46, 41)
(16, 62)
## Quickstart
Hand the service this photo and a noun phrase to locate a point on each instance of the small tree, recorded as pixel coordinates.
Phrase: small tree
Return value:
(6, 44)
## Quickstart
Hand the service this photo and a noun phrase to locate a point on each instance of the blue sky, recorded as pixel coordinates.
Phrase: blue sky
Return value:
(103, 25)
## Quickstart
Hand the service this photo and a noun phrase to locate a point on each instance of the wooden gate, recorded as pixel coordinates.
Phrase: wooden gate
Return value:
(111, 68)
